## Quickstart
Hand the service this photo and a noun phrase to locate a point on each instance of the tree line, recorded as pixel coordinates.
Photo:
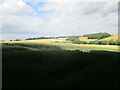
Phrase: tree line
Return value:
(97, 42)
(50, 37)
(97, 35)
(37, 38)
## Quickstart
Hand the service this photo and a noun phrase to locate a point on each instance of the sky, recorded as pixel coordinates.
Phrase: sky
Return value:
(21, 19)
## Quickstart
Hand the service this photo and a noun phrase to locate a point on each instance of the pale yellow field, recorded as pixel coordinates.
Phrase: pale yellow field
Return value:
(113, 37)
(39, 40)
(87, 45)
(48, 41)
(86, 39)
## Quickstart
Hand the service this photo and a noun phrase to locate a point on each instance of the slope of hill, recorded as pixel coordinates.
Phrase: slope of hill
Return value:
(46, 40)
(86, 39)
(113, 37)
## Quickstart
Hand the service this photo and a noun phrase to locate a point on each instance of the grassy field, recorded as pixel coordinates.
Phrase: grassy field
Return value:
(42, 64)
(46, 40)
(50, 66)
(86, 39)
(113, 37)
(83, 47)
(65, 46)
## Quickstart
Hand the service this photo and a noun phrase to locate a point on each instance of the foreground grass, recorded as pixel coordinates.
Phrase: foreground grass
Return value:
(57, 68)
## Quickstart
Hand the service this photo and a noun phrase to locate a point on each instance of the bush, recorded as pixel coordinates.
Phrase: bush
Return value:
(117, 42)
(82, 42)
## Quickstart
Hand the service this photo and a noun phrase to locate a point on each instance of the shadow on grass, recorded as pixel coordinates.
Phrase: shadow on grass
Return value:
(60, 69)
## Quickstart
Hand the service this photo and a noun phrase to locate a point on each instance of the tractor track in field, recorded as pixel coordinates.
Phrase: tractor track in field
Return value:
(33, 49)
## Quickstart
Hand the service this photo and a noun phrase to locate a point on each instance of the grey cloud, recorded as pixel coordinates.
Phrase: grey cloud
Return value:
(91, 8)
(68, 19)
(102, 8)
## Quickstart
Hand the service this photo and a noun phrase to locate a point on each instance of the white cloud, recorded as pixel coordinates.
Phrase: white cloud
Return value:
(71, 18)
(14, 7)
(74, 0)
(79, 18)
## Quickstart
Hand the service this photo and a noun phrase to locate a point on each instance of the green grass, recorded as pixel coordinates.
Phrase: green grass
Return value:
(12, 48)
(87, 48)
(58, 68)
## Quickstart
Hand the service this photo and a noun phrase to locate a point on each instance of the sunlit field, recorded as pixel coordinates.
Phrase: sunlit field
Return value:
(66, 46)
(113, 37)
(86, 39)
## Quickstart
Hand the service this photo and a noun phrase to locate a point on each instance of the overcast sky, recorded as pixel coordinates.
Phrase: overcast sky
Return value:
(22, 19)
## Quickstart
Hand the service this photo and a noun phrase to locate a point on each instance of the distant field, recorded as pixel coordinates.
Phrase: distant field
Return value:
(65, 46)
(83, 47)
(46, 40)
(113, 37)
(86, 47)
(86, 39)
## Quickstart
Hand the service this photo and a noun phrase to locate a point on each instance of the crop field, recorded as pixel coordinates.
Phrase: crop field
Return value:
(42, 64)
(46, 40)
(50, 66)
(86, 39)
(113, 37)
(85, 47)
(66, 46)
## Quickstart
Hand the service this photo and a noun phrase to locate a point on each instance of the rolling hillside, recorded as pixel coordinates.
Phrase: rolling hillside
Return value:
(86, 39)
(36, 40)
(113, 37)
(44, 40)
